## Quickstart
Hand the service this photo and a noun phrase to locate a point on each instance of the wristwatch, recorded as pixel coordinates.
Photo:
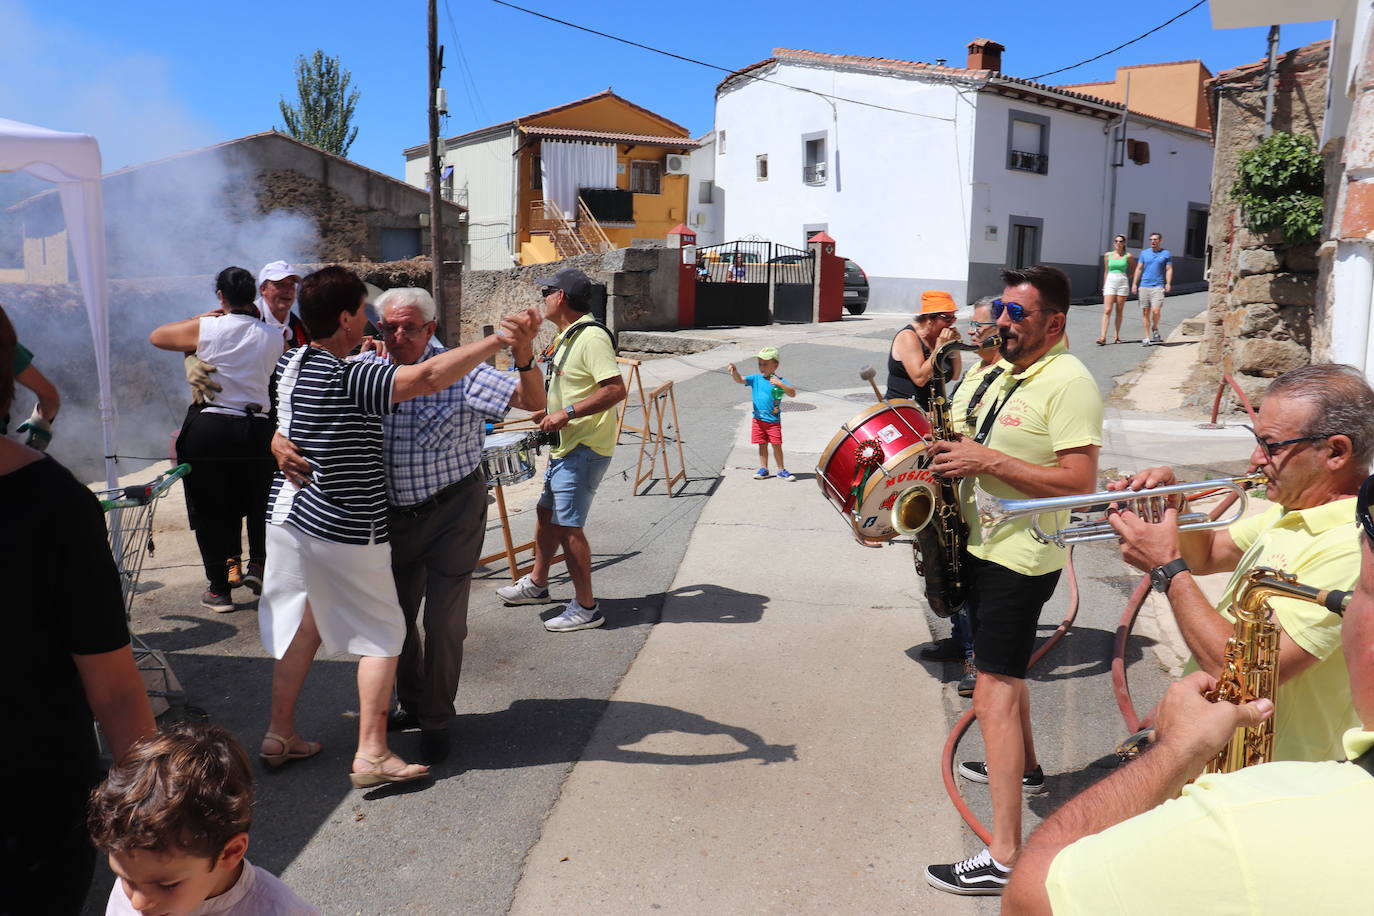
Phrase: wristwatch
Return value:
(527, 367)
(571, 410)
(1161, 576)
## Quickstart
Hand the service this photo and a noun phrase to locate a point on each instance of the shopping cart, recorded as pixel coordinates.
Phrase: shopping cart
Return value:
(129, 515)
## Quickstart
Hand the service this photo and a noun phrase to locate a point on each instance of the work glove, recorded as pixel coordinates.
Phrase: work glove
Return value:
(39, 430)
(198, 376)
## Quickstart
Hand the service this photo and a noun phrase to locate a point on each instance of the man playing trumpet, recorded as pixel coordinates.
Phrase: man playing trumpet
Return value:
(1038, 432)
(1314, 441)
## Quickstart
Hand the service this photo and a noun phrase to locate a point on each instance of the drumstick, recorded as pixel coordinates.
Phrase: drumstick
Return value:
(867, 373)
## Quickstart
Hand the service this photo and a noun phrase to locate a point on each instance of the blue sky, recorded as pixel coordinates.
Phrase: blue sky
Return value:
(154, 78)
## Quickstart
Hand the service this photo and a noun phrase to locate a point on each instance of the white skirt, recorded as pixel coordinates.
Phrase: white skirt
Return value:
(1116, 285)
(348, 587)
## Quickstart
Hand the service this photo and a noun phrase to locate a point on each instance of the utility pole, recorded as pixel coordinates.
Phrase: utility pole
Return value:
(1269, 81)
(436, 223)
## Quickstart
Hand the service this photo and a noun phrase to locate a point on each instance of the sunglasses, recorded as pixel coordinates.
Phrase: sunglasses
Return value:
(1362, 508)
(547, 291)
(1015, 310)
(1271, 449)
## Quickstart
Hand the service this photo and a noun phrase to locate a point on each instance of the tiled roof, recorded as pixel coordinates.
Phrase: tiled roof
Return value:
(1246, 70)
(517, 122)
(891, 65)
(573, 133)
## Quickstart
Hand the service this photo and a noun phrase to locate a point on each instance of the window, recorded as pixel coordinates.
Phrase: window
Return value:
(536, 172)
(720, 143)
(1135, 230)
(1028, 143)
(705, 191)
(813, 159)
(761, 167)
(645, 176)
(1195, 245)
(1138, 151)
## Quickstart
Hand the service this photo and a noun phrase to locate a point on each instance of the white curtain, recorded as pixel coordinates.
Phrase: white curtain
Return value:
(567, 167)
(72, 162)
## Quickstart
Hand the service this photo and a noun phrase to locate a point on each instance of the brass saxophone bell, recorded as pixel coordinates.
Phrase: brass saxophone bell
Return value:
(914, 509)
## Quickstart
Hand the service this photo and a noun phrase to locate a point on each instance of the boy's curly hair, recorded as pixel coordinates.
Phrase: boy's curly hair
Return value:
(188, 788)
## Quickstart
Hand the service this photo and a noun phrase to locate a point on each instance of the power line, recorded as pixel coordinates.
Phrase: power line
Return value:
(1120, 46)
(710, 66)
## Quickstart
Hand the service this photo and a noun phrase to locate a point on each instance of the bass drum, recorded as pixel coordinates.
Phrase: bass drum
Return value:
(876, 457)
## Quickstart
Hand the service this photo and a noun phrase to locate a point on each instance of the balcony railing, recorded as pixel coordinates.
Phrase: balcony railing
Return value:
(1029, 162)
(814, 174)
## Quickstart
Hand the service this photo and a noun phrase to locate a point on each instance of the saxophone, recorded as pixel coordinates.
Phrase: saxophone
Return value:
(937, 548)
(1250, 665)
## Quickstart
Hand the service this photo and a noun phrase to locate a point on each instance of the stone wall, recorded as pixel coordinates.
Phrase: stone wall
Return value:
(641, 290)
(1263, 296)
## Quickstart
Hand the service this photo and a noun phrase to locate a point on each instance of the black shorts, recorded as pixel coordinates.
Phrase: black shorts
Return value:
(1004, 608)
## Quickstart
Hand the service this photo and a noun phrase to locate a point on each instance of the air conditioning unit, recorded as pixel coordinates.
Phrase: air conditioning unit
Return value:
(677, 164)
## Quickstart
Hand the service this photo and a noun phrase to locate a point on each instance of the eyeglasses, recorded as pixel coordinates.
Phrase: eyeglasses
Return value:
(1362, 507)
(1270, 449)
(396, 330)
(548, 291)
(1015, 310)
(979, 325)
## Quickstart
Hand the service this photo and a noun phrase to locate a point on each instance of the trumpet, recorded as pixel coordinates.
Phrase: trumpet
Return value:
(993, 513)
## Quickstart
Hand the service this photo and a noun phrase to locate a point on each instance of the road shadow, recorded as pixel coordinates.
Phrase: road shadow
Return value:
(535, 732)
(1084, 652)
(706, 603)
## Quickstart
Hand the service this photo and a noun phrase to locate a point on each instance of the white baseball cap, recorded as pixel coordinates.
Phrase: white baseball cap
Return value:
(277, 270)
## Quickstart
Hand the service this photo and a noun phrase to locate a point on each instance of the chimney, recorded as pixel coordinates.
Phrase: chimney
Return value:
(985, 54)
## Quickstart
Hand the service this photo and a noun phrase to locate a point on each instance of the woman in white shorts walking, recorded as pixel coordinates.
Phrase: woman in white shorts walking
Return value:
(1116, 286)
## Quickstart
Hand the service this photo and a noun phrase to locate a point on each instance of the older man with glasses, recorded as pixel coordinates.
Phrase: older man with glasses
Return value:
(1314, 439)
(1281, 838)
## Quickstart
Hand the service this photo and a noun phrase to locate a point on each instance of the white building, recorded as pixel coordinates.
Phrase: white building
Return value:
(937, 177)
(705, 201)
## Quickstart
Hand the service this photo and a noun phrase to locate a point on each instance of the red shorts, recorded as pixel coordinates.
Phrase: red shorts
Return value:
(765, 432)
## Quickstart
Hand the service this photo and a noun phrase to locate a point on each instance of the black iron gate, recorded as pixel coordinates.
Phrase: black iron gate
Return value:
(737, 280)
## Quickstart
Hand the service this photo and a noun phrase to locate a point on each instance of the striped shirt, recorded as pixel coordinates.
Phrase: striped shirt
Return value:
(434, 441)
(332, 410)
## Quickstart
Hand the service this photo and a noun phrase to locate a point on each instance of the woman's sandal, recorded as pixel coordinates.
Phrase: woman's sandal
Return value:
(274, 761)
(1118, 340)
(1101, 341)
(375, 776)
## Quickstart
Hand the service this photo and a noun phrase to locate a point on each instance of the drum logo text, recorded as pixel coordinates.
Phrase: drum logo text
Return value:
(923, 474)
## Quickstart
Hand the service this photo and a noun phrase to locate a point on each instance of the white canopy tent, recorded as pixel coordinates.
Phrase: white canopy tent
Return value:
(72, 162)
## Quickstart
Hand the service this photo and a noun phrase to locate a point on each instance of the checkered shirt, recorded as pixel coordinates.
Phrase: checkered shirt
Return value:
(434, 441)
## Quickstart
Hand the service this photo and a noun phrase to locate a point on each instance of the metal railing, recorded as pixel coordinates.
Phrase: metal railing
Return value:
(591, 230)
(814, 173)
(569, 238)
(1029, 162)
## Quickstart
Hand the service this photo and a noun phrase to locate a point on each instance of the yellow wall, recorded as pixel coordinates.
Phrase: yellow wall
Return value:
(655, 214)
(13, 275)
(1172, 91)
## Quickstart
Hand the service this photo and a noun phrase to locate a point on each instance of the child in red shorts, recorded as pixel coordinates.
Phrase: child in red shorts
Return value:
(767, 389)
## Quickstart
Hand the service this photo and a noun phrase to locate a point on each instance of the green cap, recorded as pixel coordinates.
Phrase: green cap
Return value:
(768, 353)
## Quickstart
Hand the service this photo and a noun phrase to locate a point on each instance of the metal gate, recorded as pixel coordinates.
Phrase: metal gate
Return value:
(753, 283)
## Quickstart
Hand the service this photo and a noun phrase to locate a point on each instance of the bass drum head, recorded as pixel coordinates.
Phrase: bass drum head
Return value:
(905, 470)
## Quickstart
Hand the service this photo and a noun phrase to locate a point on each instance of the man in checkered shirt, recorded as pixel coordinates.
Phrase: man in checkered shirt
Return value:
(437, 498)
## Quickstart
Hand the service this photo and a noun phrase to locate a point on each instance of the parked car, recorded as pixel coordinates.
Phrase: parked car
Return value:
(855, 288)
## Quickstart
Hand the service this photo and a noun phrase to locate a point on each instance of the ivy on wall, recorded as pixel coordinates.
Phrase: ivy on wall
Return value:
(1279, 186)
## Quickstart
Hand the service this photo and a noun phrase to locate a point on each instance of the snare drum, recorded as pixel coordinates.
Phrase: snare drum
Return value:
(507, 458)
(880, 453)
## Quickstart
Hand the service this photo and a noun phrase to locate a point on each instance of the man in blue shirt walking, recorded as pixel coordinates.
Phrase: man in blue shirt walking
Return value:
(1154, 277)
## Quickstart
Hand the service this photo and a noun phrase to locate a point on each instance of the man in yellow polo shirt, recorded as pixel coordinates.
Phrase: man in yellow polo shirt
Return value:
(1314, 440)
(1281, 838)
(1038, 433)
(583, 385)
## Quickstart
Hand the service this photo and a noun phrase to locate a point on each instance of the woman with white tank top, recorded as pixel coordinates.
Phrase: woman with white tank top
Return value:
(227, 439)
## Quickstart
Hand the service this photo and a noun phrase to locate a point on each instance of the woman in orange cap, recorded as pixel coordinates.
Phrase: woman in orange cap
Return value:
(909, 361)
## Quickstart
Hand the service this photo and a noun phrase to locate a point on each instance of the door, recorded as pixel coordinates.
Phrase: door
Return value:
(1023, 242)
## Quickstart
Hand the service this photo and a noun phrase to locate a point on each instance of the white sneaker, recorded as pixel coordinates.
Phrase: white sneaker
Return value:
(575, 617)
(523, 592)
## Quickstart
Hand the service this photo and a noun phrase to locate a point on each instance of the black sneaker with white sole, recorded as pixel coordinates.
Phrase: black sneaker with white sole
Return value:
(1032, 783)
(976, 876)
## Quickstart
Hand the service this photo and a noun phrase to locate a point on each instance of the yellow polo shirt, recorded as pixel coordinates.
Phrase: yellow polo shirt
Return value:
(1282, 838)
(973, 380)
(579, 369)
(1055, 406)
(1321, 546)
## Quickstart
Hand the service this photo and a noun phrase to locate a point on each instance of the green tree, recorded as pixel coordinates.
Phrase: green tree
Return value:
(325, 106)
(1279, 186)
